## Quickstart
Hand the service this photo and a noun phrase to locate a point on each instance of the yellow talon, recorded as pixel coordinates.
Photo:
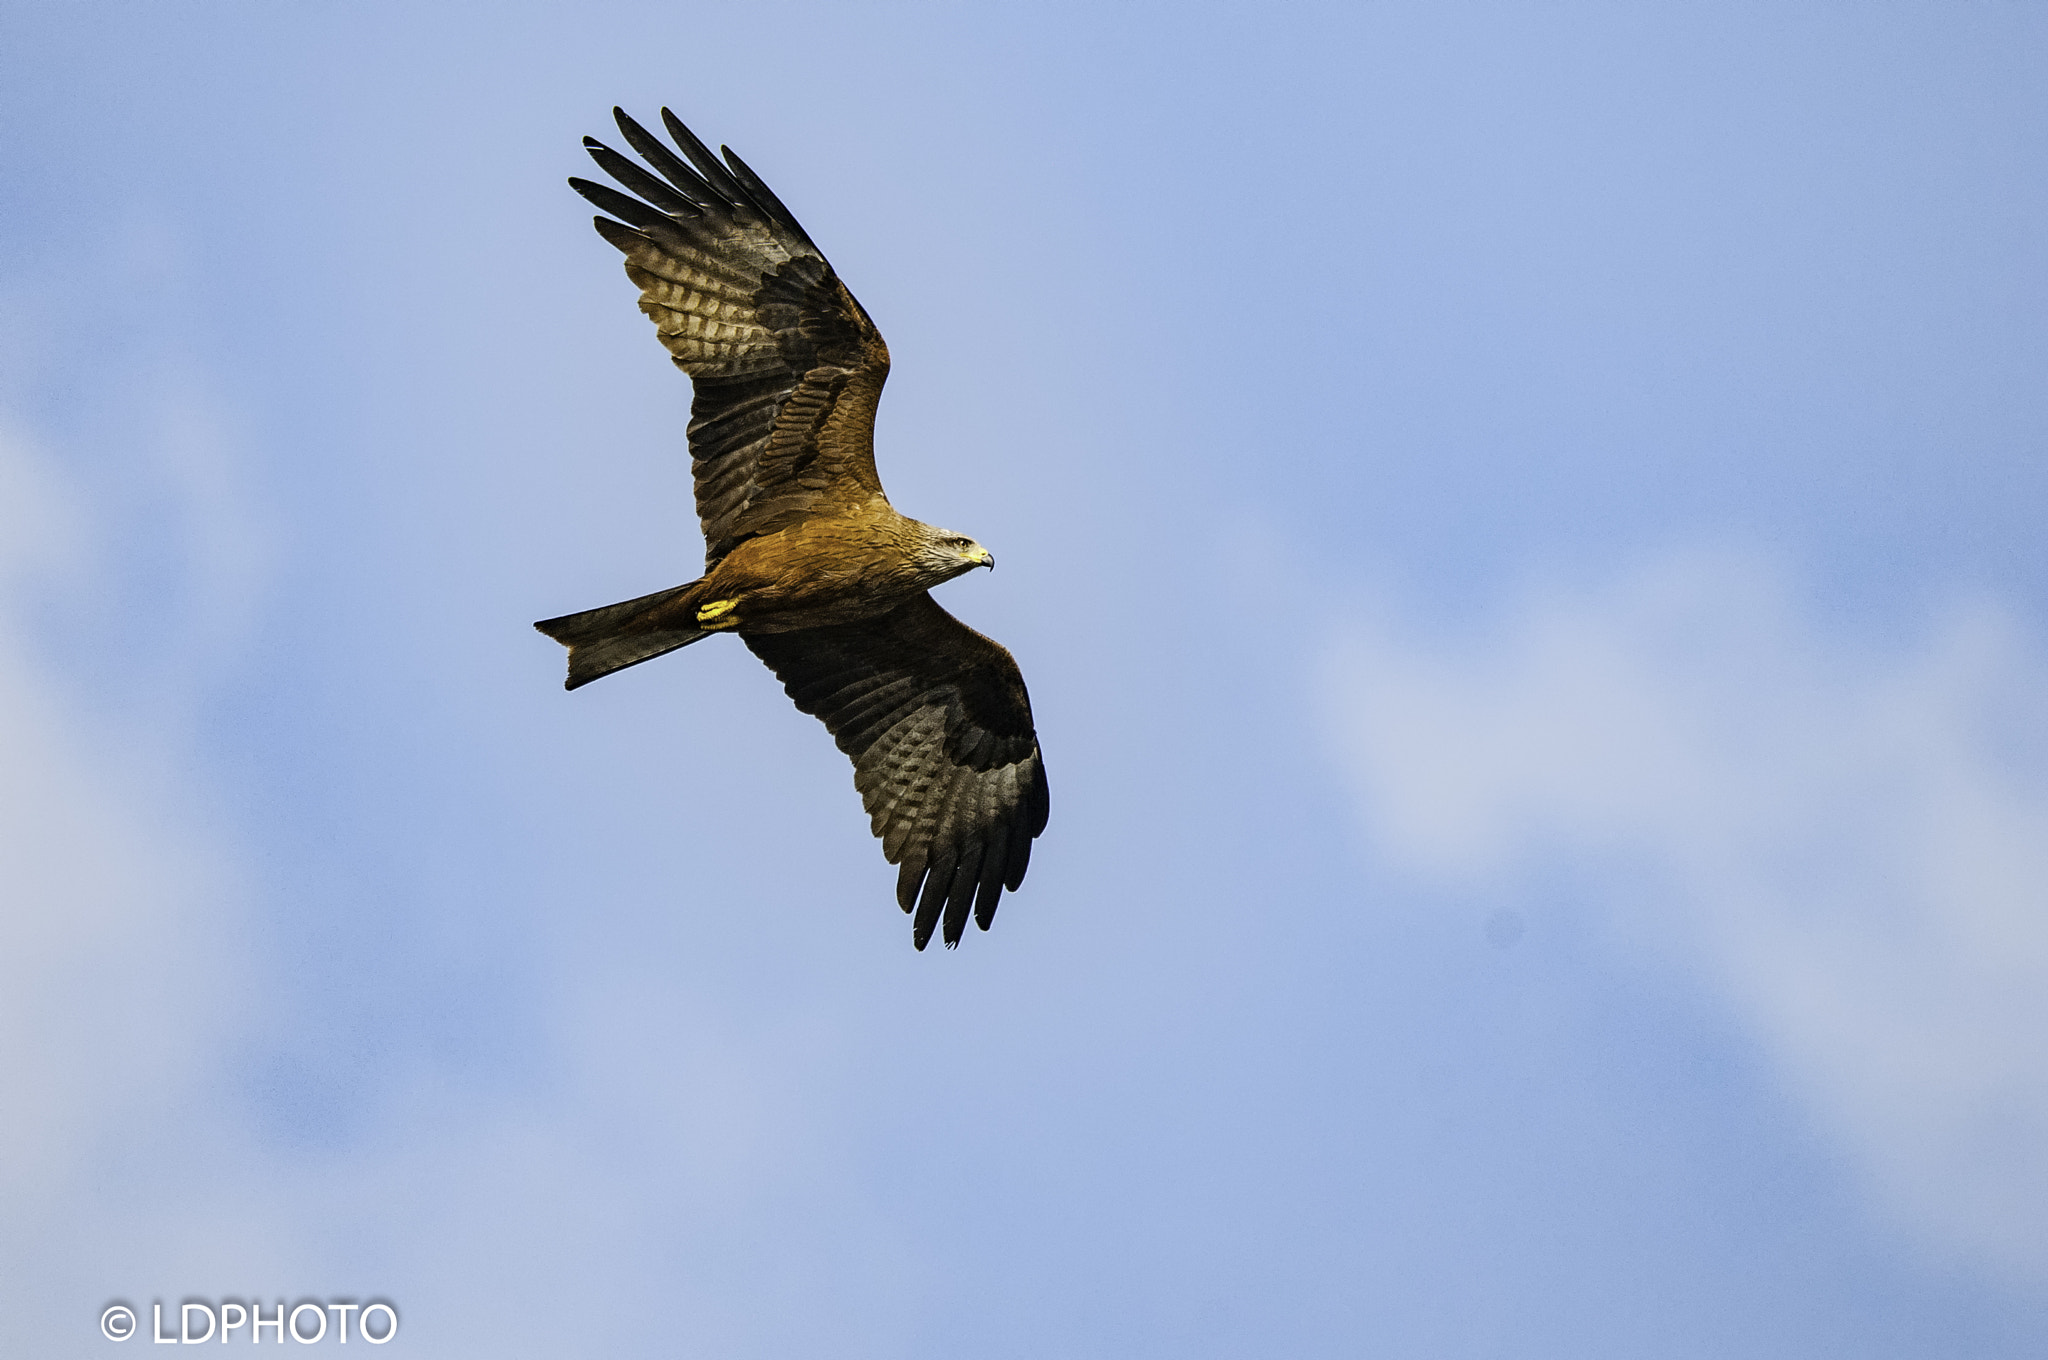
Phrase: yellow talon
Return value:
(708, 615)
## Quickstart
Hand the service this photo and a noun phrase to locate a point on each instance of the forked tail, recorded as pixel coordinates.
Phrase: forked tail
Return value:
(616, 636)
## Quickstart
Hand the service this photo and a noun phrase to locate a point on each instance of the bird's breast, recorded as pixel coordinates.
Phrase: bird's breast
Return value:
(818, 573)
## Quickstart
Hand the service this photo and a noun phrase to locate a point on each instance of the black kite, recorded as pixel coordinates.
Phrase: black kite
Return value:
(805, 559)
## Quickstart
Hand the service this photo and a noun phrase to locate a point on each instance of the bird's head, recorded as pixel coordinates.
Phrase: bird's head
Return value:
(945, 554)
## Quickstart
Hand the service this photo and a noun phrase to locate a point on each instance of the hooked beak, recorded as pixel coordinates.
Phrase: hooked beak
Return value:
(982, 557)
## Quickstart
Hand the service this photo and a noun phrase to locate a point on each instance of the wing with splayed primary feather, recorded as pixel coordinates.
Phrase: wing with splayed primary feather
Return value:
(938, 724)
(787, 366)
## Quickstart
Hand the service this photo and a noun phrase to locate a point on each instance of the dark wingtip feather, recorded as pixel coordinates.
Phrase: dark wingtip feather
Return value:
(937, 881)
(960, 896)
(764, 196)
(629, 126)
(1020, 860)
(995, 859)
(687, 181)
(618, 204)
(640, 182)
(619, 234)
(700, 156)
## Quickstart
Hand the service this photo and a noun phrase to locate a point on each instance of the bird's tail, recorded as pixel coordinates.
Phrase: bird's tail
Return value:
(616, 636)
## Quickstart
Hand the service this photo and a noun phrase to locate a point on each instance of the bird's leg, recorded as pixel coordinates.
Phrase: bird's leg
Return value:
(717, 615)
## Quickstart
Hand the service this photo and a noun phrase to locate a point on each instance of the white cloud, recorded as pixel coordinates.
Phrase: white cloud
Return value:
(1852, 843)
(119, 958)
(136, 974)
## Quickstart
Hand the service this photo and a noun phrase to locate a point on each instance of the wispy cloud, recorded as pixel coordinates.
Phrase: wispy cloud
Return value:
(1850, 841)
(120, 960)
(140, 968)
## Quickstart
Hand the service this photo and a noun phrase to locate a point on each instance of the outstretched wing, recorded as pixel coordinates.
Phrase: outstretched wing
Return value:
(787, 366)
(939, 727)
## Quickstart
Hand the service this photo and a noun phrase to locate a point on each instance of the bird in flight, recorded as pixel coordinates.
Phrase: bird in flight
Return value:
(805, 560)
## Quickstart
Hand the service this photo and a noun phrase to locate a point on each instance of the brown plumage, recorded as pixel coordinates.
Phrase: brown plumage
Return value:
(805, 559)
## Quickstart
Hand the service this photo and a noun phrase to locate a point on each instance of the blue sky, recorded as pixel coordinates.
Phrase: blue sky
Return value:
(1522, 526)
